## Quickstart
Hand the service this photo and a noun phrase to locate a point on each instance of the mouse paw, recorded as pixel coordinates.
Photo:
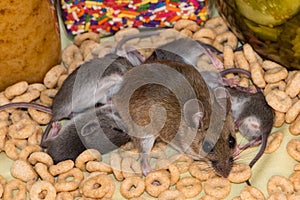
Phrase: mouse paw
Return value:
(231, 82)
(56, 126)
(146, 169)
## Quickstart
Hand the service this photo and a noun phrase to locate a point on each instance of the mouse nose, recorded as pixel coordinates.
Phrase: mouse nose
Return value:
(222, 167)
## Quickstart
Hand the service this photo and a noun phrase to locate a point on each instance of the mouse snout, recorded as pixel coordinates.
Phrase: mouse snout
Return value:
(222, 167)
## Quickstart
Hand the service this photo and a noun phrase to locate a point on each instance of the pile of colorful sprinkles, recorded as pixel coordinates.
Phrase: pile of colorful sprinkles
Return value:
(108, 16)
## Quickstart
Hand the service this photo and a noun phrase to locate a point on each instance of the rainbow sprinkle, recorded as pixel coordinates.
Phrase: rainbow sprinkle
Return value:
(107, 16)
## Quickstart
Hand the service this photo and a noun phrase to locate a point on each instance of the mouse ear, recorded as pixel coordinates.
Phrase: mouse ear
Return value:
(193, 111)
(221, 95)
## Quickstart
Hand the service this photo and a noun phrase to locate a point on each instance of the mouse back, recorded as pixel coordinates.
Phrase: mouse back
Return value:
(92, 79)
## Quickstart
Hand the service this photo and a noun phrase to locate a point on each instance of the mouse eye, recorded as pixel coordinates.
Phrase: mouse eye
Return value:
(207, 146)
(231, 141)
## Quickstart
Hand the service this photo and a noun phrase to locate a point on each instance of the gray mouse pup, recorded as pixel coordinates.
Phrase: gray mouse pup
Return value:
(170, 100)
(94, 128)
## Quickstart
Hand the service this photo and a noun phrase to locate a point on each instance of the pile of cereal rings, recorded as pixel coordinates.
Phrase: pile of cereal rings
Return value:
(34, 174)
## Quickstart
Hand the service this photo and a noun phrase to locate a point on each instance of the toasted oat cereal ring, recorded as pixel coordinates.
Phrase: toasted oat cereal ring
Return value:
(4, 115)
(297, 167)
(97, 186)
(278, 119)
(103, 48)
(294, 196)
(40, 157)
(22, 170)
(244, 82)
(131, 167)
(182, 162)
(156, 154)
(182, 24)
(171, 195)
(42, 170)
(16, 89)
(127, 32)
(227, 38)
(51, 77)
(206, 33)
(174, 173)
(293, 85)
(249, 53)
(69, 180)
(186, 32)
(267, 65)
(294, 128)
(239, 173)
(38, 190)
(11, 147)
(295, 179)
(36, 86)
(92, 166)
(2, 180)
(47, 96)
(61, 80)
(3, 99)
(275, 74)
(157, 182)
(293, 149)
(1, 190)
(293, 112)
(24, 154)
(3, 133)
(271, 86)
(228, 59)
(36, 138)
(132, 187)
(115, 163)
(22, 129)
(27, 97)
(74, 65)
(132, 153)
(250, 192)
(4, 123)
(87, 47)
(39, 116)
(193, 27)
(277, 196)
(257, 74)
(75, 193)
(201, 170)
(14, 189)
(64, 196)
(171, 168)
(208, 197)
(189, 186)
(70, 54)
(17, 115)
(274, 141)
(280, 184)
(217, 24)
(241, 62)
(87, 155)
(61, 167)
(217, 187)
(80, 38)
(279, 100)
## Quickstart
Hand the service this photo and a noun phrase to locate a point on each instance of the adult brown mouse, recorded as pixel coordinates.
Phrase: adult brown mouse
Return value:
(170, 100)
